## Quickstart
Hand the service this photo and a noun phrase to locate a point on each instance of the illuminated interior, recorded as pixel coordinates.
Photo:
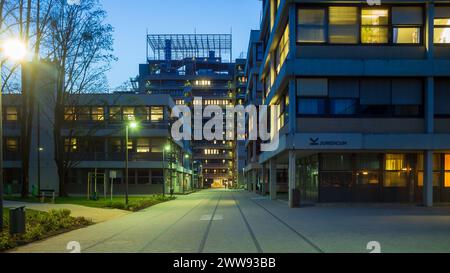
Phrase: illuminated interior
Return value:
(442, 31)
(447, 171)
(375, 28)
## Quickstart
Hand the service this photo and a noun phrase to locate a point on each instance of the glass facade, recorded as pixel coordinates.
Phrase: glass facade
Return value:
(370, 177)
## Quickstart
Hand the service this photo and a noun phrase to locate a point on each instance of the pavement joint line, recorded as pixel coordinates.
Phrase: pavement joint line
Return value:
(303, 237)
(208, 228)
(173, 224)
(116, 234)
(124, 230)
(250, 230)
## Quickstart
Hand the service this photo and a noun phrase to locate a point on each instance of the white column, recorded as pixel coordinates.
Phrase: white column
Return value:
(272, 179)
(291, 177)
(428, 178)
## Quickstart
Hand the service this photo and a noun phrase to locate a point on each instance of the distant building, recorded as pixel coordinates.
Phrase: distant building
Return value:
(252, 173)
(363, 94)
(94, 144)
(188, 66)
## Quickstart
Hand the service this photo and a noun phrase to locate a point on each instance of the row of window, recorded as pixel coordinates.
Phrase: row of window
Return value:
(114, 145)
(116, 113)
(368, 97)
(368, 25)
(397, 168)
(135, 176)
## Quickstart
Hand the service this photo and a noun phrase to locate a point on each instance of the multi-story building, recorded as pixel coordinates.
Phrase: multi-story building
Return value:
(363, 94)
(196, 70)
(253, 96)
(240, 84)
(95, 145)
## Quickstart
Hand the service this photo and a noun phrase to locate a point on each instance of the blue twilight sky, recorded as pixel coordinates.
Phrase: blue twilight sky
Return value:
(132, 18)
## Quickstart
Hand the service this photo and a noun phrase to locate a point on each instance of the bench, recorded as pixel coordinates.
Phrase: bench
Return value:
(44, 193)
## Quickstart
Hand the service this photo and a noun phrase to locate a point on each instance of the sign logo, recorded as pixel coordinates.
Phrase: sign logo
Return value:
(314, 141)
(318, 142)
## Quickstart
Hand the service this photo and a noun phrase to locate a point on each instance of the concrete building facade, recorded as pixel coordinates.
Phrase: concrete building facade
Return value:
(94, 143)
(363, 94)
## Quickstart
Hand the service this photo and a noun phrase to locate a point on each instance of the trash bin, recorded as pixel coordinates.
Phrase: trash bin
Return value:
(295, 198)
(17, 221)
(171, 191)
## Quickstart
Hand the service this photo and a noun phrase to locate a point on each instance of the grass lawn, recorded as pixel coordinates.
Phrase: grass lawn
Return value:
(40, 225)
(135, 203)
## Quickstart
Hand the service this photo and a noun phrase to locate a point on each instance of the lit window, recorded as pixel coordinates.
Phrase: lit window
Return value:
(70, 144)
(143, 145)
(447, 171)
(157, 113)
(98, 113)
(395, 162)
(11, 114)
(407, 25)
(343, 27)
(311, 26)
(406, 35)
(375, 26)
(69, 114)
(128, 113)
(12, 144)
(203, 82)
(115, 114)
(442, 31)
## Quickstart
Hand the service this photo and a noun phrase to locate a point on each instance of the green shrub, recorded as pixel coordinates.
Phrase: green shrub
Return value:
(40, 225)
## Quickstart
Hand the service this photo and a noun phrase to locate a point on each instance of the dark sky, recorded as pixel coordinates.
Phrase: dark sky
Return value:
(132, 18)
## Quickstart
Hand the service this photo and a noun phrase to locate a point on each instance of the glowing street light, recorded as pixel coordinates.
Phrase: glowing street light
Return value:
(166, 149)
(16, 51)
(130, 125)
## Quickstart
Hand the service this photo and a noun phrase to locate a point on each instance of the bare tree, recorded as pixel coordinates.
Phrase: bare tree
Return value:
(81, 45)
(77, 40)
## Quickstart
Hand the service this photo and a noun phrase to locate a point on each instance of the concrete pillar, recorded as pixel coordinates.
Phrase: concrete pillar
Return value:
(291, 177)
(254, 181)
(428, 179)
(263, 179)
(273, 179)
(429, 105)
(430, 30)
(42, 163)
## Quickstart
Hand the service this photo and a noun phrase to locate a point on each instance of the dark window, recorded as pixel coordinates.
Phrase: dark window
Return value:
(343, 106)
(315, 106)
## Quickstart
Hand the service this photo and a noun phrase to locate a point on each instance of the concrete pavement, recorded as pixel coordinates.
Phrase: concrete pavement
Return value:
(226, 221)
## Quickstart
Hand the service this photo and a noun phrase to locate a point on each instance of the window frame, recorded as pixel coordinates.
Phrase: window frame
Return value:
(441, 26)
(325, 26)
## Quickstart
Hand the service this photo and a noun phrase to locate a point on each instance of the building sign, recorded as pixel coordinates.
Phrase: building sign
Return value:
(318, 142)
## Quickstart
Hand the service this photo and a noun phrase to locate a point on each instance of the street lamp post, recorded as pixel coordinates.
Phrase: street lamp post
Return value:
(132, 125)
(16, 51)
(165, 149)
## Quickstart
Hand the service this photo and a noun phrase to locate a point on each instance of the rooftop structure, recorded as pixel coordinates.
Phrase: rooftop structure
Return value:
(182, 46)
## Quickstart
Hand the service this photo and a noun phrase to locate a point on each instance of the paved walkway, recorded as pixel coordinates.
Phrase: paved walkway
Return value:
(97, 215)
(228, 221)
